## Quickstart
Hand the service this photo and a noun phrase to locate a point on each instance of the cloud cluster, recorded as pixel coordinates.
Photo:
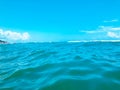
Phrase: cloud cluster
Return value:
(10, 35)
(112, 32)
(114, 20)
(109, 31)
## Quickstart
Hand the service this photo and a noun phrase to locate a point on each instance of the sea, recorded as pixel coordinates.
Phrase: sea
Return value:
(60, 66)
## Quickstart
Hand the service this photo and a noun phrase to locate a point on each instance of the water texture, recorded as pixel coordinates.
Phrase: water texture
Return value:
(60, 66)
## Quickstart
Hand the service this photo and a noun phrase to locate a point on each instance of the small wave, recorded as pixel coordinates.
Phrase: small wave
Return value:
(60, 66)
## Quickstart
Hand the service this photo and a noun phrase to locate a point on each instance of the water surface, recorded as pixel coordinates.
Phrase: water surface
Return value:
(60, 66)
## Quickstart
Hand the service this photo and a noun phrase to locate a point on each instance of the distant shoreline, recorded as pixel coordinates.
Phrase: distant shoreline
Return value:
(74, 41)
(3, 42)
(93, 41)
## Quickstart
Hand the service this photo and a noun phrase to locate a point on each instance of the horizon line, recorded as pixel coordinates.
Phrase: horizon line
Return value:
(71, 41)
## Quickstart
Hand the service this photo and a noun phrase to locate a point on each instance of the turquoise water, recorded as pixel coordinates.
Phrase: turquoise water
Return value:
(60, 66)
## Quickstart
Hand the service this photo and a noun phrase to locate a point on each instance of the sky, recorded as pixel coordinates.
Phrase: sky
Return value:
(59, 20)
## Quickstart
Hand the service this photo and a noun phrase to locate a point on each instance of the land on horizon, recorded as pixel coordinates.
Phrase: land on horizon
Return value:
(3, 42)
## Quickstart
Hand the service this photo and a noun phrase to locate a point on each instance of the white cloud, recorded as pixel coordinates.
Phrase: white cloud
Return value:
(114, 20)
(113, 34)
(116, 28)
(102, 29)
(110, 31)
(10, 35)
(90, 31)
(109, 28)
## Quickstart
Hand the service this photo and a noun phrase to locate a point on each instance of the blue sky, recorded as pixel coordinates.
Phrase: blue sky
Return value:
(60, 20)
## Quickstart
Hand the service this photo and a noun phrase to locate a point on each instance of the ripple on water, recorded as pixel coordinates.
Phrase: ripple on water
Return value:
(60, 66)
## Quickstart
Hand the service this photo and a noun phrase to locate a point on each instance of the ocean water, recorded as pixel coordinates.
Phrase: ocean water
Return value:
(60, 66)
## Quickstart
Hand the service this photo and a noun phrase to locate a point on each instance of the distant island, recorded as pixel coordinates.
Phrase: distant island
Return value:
(3, 42)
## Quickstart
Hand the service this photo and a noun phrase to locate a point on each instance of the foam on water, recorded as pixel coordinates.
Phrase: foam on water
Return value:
(60, 66)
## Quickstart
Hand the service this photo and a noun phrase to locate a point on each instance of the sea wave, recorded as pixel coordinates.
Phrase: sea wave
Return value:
(60, 66)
